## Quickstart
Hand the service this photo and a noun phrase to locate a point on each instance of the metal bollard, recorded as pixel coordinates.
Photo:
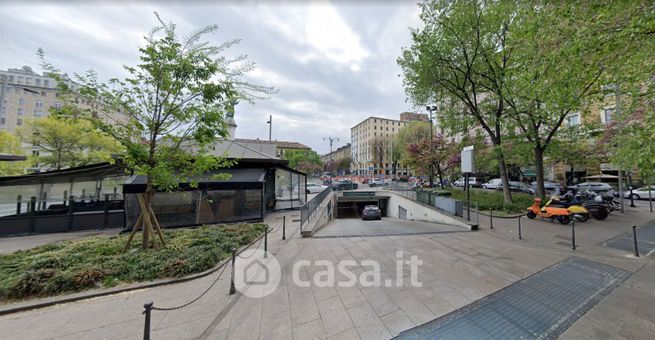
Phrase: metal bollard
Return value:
(284, 227)
(634, 233)
(520, 236)
(233, 289)
(266, 242)
(573, 234)
(146, 328)
(491, 218)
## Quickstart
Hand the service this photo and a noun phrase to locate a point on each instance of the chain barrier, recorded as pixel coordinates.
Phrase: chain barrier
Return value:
(253, 253)
(199, 296)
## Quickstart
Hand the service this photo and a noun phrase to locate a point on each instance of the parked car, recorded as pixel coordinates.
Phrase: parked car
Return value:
(474, 182)
(313, 188)
(520, 187)
(375, 182)
(344, 185)
(641, 193)
(548, 186)
(493, 184)
(371, 212)
(593, 186)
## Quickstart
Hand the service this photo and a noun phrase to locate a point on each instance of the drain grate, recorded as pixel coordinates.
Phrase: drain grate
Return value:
(541, 306)
(645, 240)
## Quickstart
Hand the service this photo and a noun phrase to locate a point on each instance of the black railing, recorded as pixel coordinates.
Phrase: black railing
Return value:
(308, 209)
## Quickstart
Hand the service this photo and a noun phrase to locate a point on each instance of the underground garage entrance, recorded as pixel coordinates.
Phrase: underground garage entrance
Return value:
(351, 203)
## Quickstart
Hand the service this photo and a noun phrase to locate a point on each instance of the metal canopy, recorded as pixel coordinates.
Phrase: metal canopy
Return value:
(77, 174)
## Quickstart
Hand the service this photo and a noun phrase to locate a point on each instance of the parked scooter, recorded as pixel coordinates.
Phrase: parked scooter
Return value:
(578, 209)
(562, 215)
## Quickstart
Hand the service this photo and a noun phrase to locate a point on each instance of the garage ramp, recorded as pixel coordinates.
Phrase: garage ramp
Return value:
(387, 226)
(541, 306)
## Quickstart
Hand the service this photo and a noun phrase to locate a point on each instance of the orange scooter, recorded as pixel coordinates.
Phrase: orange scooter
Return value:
(561, 214)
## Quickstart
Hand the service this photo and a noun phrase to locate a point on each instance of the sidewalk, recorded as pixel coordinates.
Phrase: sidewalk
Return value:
(458, 268)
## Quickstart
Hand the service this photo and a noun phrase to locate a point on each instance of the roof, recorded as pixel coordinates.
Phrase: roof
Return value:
(239, 149)
(239, 179)
(278, 143)
(80, 173)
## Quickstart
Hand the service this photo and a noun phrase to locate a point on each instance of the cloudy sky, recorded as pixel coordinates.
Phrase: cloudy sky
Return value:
(333, 63)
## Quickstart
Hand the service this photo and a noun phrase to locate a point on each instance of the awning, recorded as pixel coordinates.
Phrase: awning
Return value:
(602, 176)
(528, 173)
(239, 179)
(11, 158)
(79, 174)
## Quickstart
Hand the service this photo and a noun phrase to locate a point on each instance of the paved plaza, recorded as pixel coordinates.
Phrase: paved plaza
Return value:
(458, 268)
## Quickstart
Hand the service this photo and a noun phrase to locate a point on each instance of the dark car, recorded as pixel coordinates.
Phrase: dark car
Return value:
(518, 187)
(371, 212)
(344, 185)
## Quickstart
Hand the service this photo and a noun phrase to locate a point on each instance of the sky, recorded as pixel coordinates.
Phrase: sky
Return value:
(333, 63)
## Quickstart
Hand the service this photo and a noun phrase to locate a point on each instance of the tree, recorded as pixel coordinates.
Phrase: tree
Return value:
(437, 153)
(562, 53)
(460, 58)
(174, 102)
(379, 148)
(10, 145)
(68, 142)
(307, 161)
(412, 133)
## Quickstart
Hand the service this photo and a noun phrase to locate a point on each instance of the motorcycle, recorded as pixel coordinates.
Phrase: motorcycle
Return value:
(593, 207)
(606, 201)
(577, 211)
(562, 215)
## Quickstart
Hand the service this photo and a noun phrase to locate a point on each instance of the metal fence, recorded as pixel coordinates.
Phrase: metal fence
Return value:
(308, 209)
(440, 202)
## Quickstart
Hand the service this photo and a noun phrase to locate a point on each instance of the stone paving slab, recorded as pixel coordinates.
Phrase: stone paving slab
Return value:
(387, 226)
(458, 268)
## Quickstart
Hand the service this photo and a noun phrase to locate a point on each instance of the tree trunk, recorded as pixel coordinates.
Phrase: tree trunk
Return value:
(539, 171)
(440, 177)
(507, 194)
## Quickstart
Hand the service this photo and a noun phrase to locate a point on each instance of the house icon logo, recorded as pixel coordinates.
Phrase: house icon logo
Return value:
(256, 275)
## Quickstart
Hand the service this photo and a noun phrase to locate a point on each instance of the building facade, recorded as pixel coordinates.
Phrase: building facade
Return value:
(413, 116)
(335, 159)
(371, 146)
(25, 95)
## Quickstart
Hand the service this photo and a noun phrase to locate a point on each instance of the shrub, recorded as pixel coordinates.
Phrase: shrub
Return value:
(71, 266)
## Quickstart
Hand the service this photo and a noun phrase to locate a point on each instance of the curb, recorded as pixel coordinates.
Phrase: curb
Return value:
(111, 291)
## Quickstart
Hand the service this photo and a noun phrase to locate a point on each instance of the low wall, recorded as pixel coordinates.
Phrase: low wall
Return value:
(405, 208)
(323, 215)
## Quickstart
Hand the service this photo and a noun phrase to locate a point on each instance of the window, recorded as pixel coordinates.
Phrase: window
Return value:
(19, 80)
(19, 112)
(11, 79)
(2, 121)
(38, 104)
(43, 93)
(58, 106)
(573, 120)
(35, 152)
(21, 101)
(38, 113)
(19, 121)
(38, 82)
(46, 82)
(28, 81)
(607, 114)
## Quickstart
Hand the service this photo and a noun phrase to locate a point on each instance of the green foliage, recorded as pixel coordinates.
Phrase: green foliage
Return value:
(412, 133)
(10, 145)
(97, 262)
(69, 141)
(173, 104)
(494, 200)
(307, 161)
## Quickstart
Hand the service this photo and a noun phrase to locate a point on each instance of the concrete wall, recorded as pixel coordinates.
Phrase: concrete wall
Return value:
(323, 215)
(419, 212)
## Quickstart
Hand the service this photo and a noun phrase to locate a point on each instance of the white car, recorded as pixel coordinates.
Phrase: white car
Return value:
(375, 182)
(641, 193)
(495, 183)
(313, 188)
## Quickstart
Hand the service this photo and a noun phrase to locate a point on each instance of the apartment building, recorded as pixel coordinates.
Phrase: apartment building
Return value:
(413, 116)
(25, 94)
(371, 145)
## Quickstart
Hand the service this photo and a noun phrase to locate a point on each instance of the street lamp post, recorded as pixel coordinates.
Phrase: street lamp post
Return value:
(270, 127)
(431, 109)
(331, 140)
